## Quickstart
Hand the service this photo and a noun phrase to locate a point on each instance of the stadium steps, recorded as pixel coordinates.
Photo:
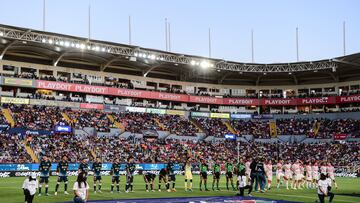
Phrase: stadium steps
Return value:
(8, 117)
(162, 127)
(66, 117)
(31, 152)
(198, 125)
(229, 127)
(117, 124)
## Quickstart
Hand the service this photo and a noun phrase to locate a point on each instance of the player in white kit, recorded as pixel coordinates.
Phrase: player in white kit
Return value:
(288, 174)
(309, 174)
(302, 176)
(297, 176)
(268, 173)
(279, 172)
(323, 168)
(248, 169)
(330, 171)
(315, 173)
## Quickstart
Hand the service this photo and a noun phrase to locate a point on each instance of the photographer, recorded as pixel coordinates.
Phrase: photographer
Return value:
(30, 186)
(323, 189)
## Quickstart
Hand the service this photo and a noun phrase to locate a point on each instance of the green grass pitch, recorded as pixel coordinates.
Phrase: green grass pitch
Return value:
(11, 192)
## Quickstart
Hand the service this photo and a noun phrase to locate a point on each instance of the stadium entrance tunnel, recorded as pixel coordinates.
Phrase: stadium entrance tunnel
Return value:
(218, 199)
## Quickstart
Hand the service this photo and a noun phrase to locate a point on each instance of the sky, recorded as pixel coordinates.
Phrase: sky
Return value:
(320, 24)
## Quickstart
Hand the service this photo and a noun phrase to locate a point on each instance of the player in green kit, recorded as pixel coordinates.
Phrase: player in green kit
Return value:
(229, 168)
(239, 167)
(115, 171)
(84, 166)
(216, 176)
(62, 169)
(203, 174)
(44, 168)
(97, 173)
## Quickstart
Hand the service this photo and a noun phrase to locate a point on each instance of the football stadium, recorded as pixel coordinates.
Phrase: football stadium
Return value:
(89, 120)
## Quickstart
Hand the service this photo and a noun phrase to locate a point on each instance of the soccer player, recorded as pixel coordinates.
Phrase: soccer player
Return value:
(323, 168)
(97, 165)
(279, 172)
(330, 171)
(248, 169)
(84, 166)
(297, 174)
(216, 176)
(115, 171)
(288, 174)
(62, 169)
(309, 174)
(188, 175)
(268, 173)
(239, 167)
(203, 174)
(130, 169)
(149, 179)
(163, 174)
(302, 175)
(229, 168)
(44, 168)
(172, 178)
(315, 173)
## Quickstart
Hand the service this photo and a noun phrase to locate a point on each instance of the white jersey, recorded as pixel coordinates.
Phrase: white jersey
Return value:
(279, 170)
(288, 172)
(309, 173)
(330, 170)
(296, 168)
(315, 172)
(30, 185)
(323, 169)
(268, 170)
(247, 168)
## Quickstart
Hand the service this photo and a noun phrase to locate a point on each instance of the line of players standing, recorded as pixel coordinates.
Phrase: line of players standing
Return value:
(300, 172)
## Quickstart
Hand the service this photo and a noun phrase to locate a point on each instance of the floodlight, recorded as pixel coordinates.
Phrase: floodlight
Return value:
(43, 40)
(50, 41)
(82, 46)
(103, 49)
(67, 44)
(204, 64)
(1, 34)
(192, 62)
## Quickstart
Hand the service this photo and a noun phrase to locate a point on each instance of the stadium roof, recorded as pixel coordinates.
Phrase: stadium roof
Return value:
(27, 45)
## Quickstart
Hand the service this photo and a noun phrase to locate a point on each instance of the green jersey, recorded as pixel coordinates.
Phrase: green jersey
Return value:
(115, 169)
(217, 168)
(97, 168)
(84, 167)
(203, 168)
(62, 168)
(240, 167)
(44, 168)
(229, 167)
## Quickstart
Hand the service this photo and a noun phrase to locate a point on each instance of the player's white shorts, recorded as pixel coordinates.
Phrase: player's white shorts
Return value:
(188, 176)
(315, 176)
(309, 177)
(297, 176)
(279, 175)
(269, 176)
(288, 176)
(332, 176)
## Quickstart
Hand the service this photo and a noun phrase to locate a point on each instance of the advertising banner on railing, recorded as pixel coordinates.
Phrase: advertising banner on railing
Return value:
(200, 114)
(91, 106)
(25, 131)
(54, 103)
(63, 129)
(278, 102)
(175, 112)
(240, 116)
(241, 101)
(12, 100)
(316, 101)
(71, 87)
(155, 111)
(219, 115)
(18, 82)
(135, 109)
(348, 99)
(205, 100)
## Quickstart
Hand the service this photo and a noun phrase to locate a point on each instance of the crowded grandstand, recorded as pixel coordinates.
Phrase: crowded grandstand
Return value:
(70, 106)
